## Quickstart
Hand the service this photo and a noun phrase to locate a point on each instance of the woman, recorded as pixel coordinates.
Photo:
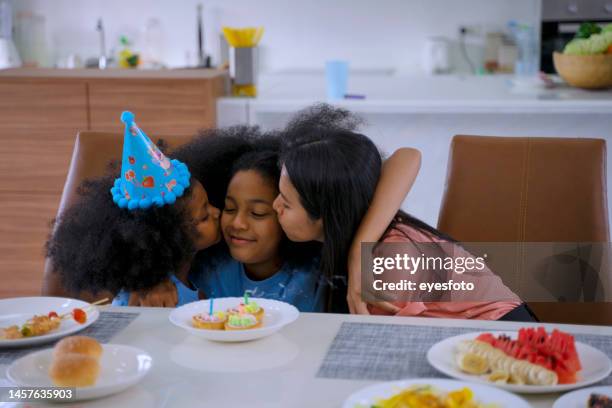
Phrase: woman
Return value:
(330, 177)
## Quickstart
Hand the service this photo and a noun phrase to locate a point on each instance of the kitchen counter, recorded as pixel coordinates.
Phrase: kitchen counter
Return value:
(426, 112)
(433, 94)
(111, 73)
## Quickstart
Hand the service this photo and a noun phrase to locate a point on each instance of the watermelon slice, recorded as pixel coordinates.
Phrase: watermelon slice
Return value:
(555, 351)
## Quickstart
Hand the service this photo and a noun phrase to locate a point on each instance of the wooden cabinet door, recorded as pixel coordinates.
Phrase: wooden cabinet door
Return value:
(24, 226)
(162, 107)
(38, 125)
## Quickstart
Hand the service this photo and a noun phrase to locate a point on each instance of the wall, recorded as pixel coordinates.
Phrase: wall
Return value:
(299, 34)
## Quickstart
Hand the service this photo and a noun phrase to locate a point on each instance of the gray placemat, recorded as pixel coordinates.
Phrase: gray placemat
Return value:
(387, 352)
(104, 329)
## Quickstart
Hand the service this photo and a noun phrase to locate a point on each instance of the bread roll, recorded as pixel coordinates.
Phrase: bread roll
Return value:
(74, 370)
(78, 345)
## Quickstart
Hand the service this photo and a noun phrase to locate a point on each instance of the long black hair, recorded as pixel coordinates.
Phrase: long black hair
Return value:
(335, 171)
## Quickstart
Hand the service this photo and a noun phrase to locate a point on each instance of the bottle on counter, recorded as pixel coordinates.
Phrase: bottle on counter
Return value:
(127, 58)
(153, 47)
(528, 57)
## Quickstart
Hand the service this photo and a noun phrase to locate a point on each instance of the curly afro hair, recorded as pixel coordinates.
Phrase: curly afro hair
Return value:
(97, 246)
(314, 122)
(212, 153)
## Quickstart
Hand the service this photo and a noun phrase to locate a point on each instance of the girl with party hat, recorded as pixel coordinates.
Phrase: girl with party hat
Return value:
(255, 255)
(135, 231)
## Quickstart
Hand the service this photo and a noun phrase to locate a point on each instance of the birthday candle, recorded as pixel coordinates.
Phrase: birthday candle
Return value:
(211, 306)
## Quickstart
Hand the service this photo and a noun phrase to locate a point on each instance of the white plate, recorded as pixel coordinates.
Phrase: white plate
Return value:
(595, 365)
(19, 310)
(120, 368)
(579, 398)
(483, 393)
(276, 315)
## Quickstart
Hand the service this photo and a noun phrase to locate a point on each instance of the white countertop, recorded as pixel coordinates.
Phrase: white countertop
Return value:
(277, 371)
(425, 94)
(109, 73)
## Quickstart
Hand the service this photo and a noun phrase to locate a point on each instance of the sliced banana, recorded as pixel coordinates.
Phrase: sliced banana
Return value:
(477, 357)
(472, 363)
(515, 380)
(499, 377)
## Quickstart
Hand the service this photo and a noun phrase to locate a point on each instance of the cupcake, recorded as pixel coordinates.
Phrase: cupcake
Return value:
(254, 309)
(241, 322)
(216, 321)
(251, 308)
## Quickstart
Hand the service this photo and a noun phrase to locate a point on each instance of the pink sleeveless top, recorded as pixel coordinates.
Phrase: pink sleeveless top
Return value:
(484, 310)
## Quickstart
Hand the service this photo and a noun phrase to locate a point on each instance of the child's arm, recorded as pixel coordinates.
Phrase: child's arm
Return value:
(163, 294)
(398, 174)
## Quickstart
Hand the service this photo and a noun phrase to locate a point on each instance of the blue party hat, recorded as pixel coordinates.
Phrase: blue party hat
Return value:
(148, 177)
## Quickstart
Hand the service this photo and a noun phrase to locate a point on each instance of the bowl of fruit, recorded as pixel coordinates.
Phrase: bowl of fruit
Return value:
(586, 61)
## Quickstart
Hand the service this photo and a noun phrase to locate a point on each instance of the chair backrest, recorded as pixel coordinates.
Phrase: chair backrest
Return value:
(510, 189)
(92, 153)
(524, 189)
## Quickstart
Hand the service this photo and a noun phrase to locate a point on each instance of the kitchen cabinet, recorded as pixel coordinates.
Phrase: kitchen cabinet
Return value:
(162, 107)
(42, 110)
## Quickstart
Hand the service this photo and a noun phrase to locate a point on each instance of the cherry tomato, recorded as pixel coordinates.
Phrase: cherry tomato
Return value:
(52, 314)
(79, 315)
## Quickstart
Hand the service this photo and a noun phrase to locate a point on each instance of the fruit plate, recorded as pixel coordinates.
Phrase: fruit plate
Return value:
(16, 311)
(276, 315)
(579, 398)
(120, 368)
(485, 394)
(595, 365)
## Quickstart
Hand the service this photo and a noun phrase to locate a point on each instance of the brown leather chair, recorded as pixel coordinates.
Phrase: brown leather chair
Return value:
(92, 153)
(531, 190)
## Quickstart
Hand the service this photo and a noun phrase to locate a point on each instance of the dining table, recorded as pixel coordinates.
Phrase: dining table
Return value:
(280, 370)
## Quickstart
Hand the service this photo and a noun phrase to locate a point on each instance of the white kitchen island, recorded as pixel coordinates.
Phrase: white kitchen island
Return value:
(426, 112)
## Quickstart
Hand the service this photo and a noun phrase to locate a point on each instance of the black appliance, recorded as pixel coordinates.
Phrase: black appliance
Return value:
(560, 21)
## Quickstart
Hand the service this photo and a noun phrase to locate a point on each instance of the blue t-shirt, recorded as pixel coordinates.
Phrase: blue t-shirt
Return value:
(185, 294)
(304, 287)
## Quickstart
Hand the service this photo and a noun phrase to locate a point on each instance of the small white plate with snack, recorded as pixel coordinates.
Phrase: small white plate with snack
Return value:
(29, 321)
(592, 397)
(428, 391)
(234, 319)
(80, 362)
(529, 361)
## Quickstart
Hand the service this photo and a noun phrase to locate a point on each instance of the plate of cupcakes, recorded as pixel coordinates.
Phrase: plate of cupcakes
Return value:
(234, 319)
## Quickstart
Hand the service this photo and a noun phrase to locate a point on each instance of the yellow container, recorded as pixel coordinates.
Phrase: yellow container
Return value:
(243, 59)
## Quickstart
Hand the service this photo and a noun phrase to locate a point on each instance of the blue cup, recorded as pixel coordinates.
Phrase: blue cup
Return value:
(336, 77)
